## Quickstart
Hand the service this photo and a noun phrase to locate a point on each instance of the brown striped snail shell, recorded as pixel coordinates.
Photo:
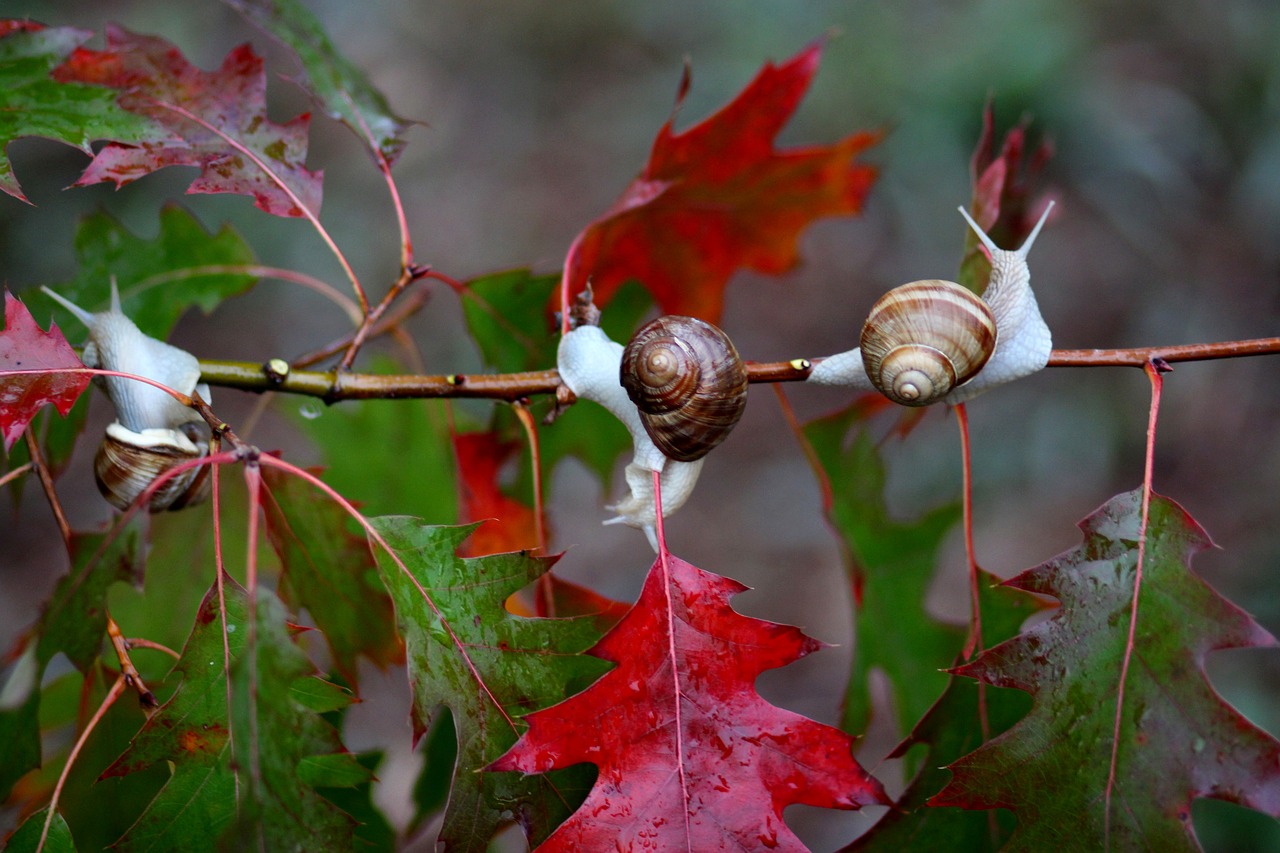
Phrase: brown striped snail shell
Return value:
(686, 379)
(924, 338)
(127, 462)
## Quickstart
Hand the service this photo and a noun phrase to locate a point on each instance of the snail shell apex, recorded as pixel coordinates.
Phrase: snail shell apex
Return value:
(925, 338)
(688, 382)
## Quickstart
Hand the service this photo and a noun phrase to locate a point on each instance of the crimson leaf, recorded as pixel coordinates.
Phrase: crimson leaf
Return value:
(690, 756)
(25, 346)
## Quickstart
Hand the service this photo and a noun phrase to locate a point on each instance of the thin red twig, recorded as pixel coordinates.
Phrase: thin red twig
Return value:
(1153, 371)
(676, 691)
(10, 476)
(112, 695)
(46, 483)
(130, 672)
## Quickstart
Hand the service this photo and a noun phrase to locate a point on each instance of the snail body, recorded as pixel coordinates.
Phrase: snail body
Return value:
(931, 341)
(688, 383)
(153, 432)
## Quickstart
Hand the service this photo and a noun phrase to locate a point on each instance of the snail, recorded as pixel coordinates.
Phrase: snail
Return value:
(934, 340)
(591, 366)
(688, 382)
(152, 432)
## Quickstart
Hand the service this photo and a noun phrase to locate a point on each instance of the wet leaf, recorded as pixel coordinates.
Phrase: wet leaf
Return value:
(1178, 738)
(690, 756)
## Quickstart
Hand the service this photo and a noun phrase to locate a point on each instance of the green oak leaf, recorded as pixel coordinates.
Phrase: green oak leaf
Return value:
(235, 776)
(466, 651)
(341, 89)
(330, 573)
(890, 565)
(183, 266)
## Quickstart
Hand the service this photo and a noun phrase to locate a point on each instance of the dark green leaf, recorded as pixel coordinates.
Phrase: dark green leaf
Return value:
(272, 735)
(159, 278)
(950, 729)
(27, 838)
(373, 831)
(250, 790)
(330, 573)
(20, 720)
(386, 455)
(319, 695)
(342, 89)
(439, 753)
(339, 770)
(890, 565)
(466, 651)
(75, 619)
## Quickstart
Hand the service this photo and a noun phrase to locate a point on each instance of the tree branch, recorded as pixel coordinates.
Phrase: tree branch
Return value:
(334, 386)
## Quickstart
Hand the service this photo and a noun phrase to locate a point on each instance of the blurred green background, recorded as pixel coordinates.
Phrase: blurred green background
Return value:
(1165, 118)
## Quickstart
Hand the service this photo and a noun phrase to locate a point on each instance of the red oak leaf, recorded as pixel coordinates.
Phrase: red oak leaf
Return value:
(217, 121)
(718, 197)
(511, 525)
(25, 346)
(690, 756)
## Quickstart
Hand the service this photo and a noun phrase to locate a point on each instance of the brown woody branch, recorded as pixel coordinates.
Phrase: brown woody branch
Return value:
(333, 386)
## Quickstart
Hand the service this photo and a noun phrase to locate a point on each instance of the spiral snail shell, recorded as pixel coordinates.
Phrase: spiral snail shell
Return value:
(924, 338)
(153, 432)
(686, 378)
(128, 462)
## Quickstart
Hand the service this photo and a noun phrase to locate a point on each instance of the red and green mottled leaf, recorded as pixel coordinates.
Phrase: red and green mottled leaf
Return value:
(330, 573)
(25, 346)
(690, 756)
(890, 565)
(488, 666)
(216, 120)
(159, 277)
(509, 524)
(250, 794)
(952, 727)
(719, 197)
(33, 104)
(342, 90)
(1178, 738)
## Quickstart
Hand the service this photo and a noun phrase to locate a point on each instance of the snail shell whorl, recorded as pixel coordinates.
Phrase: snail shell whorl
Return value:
(127, 462)
(924, 338)
(686, 378)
